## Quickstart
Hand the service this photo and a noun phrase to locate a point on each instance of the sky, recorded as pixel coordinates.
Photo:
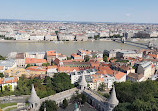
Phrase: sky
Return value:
(127, 11)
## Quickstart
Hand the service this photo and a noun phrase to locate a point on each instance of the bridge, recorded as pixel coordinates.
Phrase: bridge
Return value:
(148, 45)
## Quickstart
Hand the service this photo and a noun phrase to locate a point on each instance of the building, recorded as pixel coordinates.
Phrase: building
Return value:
(66, 37)
(67, 69)
(52, 55)
(10, 82)
(75, 76)
(36, 37)
(52, 37)
(97, 79)
(16, 72)
(109, 81)
(75, 56)
(81, 37)
(83, 53)
(35, 70)
(7, 64)
(34, 61)
(36, 55)
(20, 60)
(75, 64)
(135, 77)
(111, 53)
(128, 53)
(51, 70)
(146, 69)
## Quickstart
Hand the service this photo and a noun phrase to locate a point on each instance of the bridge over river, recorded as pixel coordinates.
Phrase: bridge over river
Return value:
(147, 45)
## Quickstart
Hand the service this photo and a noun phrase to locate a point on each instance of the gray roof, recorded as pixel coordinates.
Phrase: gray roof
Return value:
(7, 63)
(36, 52)
(34, 98)
(81, 71)
(145, 64)
(113, 99)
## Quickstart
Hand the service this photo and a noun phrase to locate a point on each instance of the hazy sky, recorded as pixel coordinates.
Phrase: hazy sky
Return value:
(142, 11)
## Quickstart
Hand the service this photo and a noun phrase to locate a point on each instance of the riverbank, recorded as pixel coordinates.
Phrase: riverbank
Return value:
(23, 41)
(43, 41)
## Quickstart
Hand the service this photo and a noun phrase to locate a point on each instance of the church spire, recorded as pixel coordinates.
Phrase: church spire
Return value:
(34, 100)
(83, 82)
(112, 100)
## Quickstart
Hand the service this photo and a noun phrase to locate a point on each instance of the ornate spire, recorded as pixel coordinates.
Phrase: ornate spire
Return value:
(83, 82)
(112, 100)
(33, 98)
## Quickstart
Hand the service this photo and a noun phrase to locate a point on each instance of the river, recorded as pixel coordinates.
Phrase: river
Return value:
(66, 48)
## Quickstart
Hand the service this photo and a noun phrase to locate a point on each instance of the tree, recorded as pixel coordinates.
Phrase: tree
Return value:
(136, 96)
(95, 56)
(28, 65)
(61, 82)
(1, 75)
(46, 64)
(96, 37)
(68, 58)
(56, 32)
(49, 106)
(84, 98)
(105, 58)
(86, 58)
(65, 103)
(2, 58)
(102, 86)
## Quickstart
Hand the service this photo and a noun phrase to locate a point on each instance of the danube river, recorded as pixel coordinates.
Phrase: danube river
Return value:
(66, 48)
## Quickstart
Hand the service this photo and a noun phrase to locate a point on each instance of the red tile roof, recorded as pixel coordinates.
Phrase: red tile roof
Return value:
(119, 75)
(67, 69)
(34, 60)
(52, 53)
(75, 55)
(8, 80)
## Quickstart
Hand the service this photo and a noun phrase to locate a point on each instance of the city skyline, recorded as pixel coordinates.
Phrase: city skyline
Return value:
(142, 11)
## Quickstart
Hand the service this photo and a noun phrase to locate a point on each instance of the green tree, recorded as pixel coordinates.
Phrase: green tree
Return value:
(1, 75)
(28, 65)
(49, 106)
(46, 64)
(68, 58)
(83, 98)
(56, 32)
(102, 86)
(97, 37)
(65, 103)
(136, 96)
(2, 58)
(61, 82)
(105, 58)
(95, 56)
(86, 58)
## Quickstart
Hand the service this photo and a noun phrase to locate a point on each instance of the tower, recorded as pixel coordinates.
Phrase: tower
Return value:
(83, 55)
(112, 100)
(83, 83)
(56, 55)
(34, 100)
(123, 39)
(150, 45)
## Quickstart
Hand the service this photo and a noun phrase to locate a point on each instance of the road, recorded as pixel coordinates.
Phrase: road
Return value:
(14, 99)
